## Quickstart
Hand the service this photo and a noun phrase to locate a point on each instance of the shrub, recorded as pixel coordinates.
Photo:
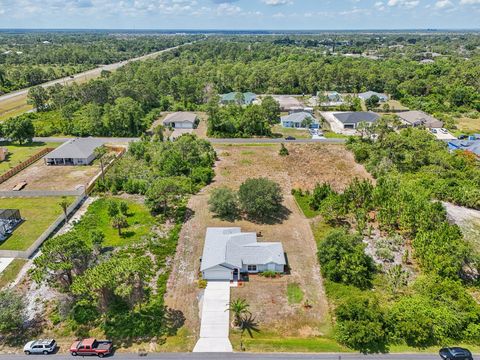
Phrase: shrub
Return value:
(320, 193)
(269, 274)
(361, 324)
(283, 151)
(342, 258)
(12, 312)
(224, 203)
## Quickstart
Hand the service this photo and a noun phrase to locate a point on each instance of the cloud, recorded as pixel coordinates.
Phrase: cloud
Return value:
(407, 4)
(443, 4)
(469, 2)
(277, 2)
(380, 6)
(227, 9)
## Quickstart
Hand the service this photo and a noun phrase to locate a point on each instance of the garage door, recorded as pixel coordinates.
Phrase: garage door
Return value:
(217, 274)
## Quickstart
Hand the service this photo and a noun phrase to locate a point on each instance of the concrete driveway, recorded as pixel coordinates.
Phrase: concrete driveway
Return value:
(215, 325)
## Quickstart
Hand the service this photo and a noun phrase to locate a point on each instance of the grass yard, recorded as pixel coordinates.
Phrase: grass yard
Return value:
(294, 293)
(302, 202)
(39, 213)
(20, 153)
(468, 125)
(11, 272)
(139, 219)
(280, 131)
(333, 135)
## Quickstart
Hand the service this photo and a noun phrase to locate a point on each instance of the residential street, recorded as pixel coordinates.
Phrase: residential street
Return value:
(245, 356)
(213, 141)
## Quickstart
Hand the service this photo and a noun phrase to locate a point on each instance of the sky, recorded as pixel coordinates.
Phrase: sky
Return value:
(241, 14)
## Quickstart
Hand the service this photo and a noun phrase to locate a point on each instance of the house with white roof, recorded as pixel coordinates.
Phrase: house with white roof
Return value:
(181, 120)
(367, 95)
(299, 120)
(229, 252)
(78, 151)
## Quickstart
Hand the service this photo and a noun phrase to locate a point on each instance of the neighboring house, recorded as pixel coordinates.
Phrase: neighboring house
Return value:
(297, 120)
(472, 146)
(350, 120)
(181, 120)
(78, 151)
(419, 118)
(233, 98)
(367, 95)
(228, 252)
(330, 98)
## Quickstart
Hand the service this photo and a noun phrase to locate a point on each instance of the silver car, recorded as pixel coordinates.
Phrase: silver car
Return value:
(40, 347)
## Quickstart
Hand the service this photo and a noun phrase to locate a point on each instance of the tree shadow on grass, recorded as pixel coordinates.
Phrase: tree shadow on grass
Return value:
(279, 217)
(127, 234)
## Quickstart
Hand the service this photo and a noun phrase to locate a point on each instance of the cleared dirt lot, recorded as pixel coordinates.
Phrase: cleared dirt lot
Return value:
(42, 177)
(306, 165)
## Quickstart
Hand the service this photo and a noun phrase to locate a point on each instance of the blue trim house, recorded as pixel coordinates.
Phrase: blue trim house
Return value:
(472, 146)
(295, 120)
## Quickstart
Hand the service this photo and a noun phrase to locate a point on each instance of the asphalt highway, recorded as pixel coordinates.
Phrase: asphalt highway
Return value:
(87, 74)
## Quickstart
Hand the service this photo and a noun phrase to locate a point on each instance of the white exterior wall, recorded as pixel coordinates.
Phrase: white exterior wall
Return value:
(265, 267)
(183, 125)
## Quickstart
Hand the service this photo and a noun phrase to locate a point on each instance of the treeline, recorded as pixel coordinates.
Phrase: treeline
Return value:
(31, 59)
(190, 77)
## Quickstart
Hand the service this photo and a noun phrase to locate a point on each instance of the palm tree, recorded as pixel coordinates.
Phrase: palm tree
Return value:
(239, 308)
(64, 203)
(119, 222)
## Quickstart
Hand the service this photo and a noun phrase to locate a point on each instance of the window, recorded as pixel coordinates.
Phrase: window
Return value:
(252, 267)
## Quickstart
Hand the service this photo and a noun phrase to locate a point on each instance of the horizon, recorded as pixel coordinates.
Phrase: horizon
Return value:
(236, 15)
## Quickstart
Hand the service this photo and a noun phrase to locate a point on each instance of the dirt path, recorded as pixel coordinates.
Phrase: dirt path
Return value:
(306, 165)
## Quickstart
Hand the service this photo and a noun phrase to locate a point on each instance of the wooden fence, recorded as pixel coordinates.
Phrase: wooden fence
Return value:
(24, 165)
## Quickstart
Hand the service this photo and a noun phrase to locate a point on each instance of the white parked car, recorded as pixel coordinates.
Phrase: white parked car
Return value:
(40, 347)
(444, 131)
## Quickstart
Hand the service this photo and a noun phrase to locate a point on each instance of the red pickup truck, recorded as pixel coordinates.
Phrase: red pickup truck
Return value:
(91, 346)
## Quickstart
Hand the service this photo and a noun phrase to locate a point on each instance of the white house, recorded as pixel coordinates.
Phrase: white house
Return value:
(349, 120)
(228, 252)
(181, 120)
(297, 120)
(367, 95)
(78, 151)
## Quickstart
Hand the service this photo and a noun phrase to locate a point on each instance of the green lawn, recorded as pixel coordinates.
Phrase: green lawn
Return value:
(333, 135)
(39, 213)
(266, 342)
(302, 202)
(294, 293)
(20, 153)
(280, 131)
(139, 219)
(11, 272)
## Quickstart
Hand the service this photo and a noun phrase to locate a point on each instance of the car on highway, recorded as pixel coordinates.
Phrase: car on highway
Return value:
(455, 353)
(42, 346)
(91, 346)
(290, 138)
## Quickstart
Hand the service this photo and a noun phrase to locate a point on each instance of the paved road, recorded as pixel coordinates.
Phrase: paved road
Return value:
(245, 356)
(276, 141)
(87, 74)
(213, 141)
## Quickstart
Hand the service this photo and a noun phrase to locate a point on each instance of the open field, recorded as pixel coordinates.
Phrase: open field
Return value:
(11, 272)
(20, 153)
(268, 298)
(468, 125)
(39, 213)
(43, 177)
(14, 106)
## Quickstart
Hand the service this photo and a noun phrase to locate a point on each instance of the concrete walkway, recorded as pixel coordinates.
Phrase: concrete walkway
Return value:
(215, 319)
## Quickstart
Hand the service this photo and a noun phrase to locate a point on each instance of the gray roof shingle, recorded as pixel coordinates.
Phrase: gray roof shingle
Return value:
(356, 117)
(78, 148)
(181, 116)
(233, 248)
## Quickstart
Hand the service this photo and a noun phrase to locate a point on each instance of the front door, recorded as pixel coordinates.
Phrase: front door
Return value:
(235, 275)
